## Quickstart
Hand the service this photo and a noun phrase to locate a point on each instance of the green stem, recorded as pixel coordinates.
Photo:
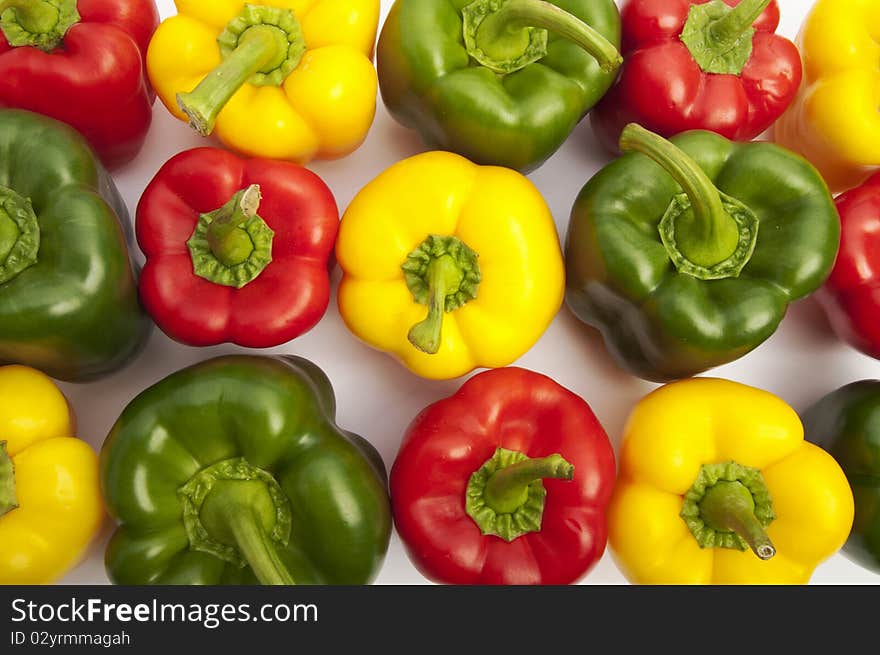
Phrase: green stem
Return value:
(8, 500)
(229, 242)
(443, 276)
(507, 489)
(38, 23)
(242, 513)
(257, 49)
(730, 507)
(710, 217)
(517, 15)
(258, 549)
(707, 234)
(728, 30)
(511, 36)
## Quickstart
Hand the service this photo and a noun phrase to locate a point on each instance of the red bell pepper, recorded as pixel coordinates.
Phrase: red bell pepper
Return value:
(696, 64)
(505, 482)
(236, 250)
(851, 296)
(82, 63)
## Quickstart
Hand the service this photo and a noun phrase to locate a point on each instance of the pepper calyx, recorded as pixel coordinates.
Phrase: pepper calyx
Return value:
(442, 273)
(19, 234)
(260, 46)
(707, 234)
(508, 35)
(8, 499)
(675, 235)
(505, 497)
(729, 506)
(232, 245)
(238, 512)
(719, 37)
(38, 23)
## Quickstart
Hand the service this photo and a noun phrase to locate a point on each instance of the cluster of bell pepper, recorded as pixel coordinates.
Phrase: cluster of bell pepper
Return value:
(684, 251)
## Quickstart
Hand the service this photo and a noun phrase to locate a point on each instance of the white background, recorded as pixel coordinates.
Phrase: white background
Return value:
(377, 397)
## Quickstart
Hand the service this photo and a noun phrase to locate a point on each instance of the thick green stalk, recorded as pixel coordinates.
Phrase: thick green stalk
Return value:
(730, 507)
(728, 30)
(443, 276)
(508, 488)
(707, 234)
(258, 48)
(229, 242)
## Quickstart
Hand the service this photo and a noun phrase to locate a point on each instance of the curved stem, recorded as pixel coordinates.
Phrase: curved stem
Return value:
(730, 507)
(228, 242)
(704, 197)
(257, 548)
(727, 31)
(258, 47)
(8, 500)
(516, 15)
(507, 488)
(443, 276)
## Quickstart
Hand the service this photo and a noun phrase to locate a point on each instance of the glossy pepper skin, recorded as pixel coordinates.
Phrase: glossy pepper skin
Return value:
(833, 122)
(432, 81)
(473, 248)
(666, 87)
(50, 498)
(68, 296)
(705, 460)
(674, 292)
(200, 296)
(459, 528)
(233, 471)
(277, 79)
(845, 423)
(88, 71)
(851, 297)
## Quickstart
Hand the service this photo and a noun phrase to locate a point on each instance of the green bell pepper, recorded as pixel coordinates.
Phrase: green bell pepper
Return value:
(68, 297)
(485, 80)
(232, 471)
(686, 254)
(846, 423)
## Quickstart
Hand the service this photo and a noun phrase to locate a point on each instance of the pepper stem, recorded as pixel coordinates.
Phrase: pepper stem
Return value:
(728, 30)
(257, 49)
(229, 243)
(707, 234)
(8, 500)
(232, 245)
(443, 276)
(507, 35)
(38, 23)
(719, 37)
(505, 497)
(507, 489)
(238, 513)
(730, 507)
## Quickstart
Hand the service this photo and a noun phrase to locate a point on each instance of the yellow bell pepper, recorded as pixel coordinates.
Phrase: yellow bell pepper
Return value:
(50, 497)
(472, 247)
(718, 486)
(834, 121)
(280, 79)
